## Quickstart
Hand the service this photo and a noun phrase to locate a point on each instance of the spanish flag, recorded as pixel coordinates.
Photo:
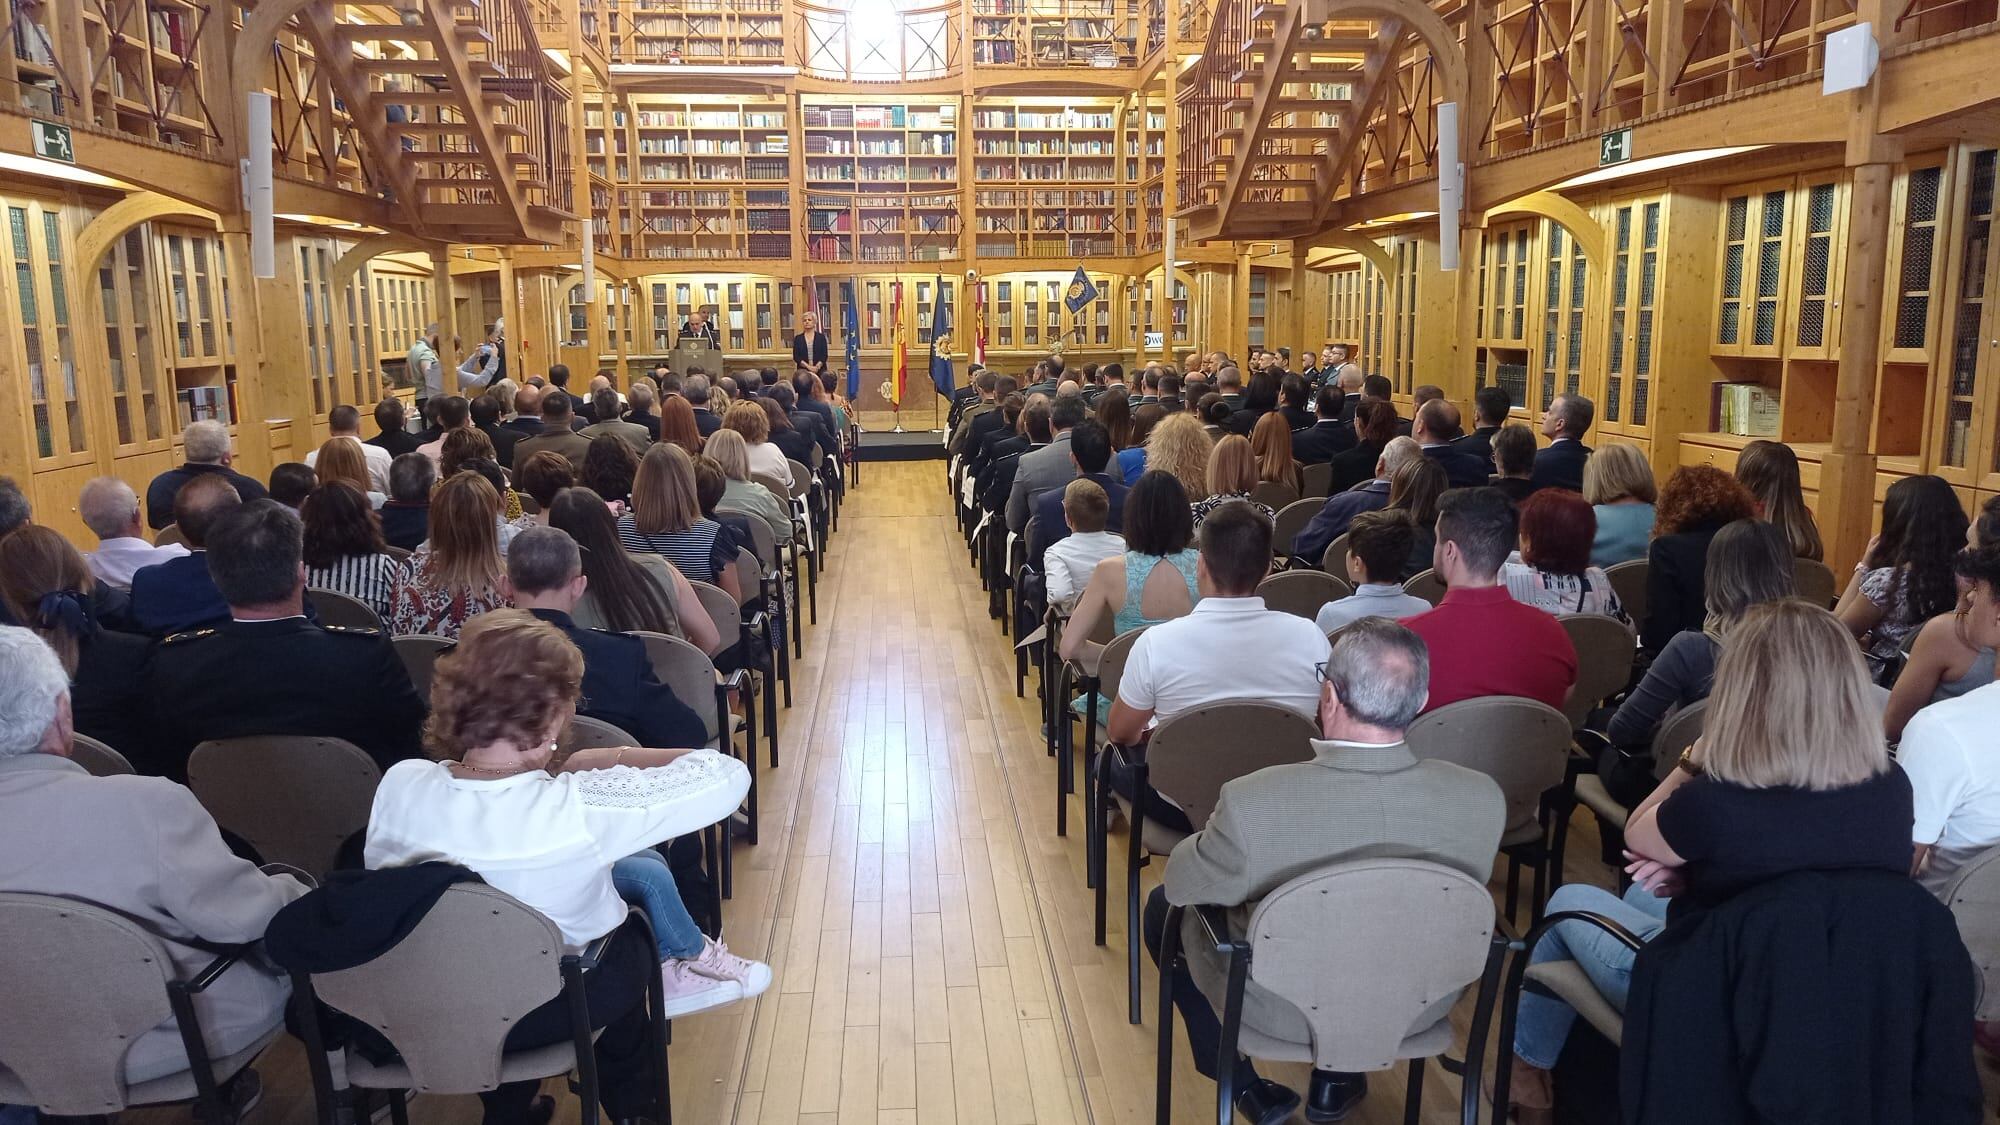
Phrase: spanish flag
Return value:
(901, 371)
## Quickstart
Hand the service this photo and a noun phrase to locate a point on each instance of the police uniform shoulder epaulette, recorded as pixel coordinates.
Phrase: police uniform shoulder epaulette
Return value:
(183, 637)
(351, 631)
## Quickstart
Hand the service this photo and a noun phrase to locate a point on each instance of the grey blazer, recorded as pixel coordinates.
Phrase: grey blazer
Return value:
(1041, 469)
(631, 433)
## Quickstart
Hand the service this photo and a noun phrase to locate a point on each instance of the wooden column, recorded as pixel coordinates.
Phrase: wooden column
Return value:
(444, 311)
(1238, 333)
(512, 307)
(1847, 473)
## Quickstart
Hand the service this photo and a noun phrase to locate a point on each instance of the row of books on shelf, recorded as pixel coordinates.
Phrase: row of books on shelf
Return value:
(1045, 146)
(702, 119)
(918, 144)
(1042, 172)
(706, 146)
(994, 52)
(942, 116)
(753, 222)
(1042, 7)
(1008, 118)
(685, 198)
(1073, 198)
(881, 174)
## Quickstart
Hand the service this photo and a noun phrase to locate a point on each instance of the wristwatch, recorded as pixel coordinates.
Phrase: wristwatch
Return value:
(1688, 763)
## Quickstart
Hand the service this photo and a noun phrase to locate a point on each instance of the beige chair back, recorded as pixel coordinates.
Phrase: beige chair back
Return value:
(749, 578)
(1677, 734)
(1815, 583)
(1333, 560)
(1372, 953)
(1301, 593)
(96, 758)
(1628, 581)
(1290, 520)
(1111, 665)
(763, 543)
(1974, 898)
(1605, 647)
(494, 958)
(777, 488)
(420, 652)
(1194, 753)
(721, 609)
(294, 798)
(1274, 495)
(688, 671)
(338, 609)
(1521, 743)
(1317, 479)
(802, 478)
(169, 534)
(586, 733)
(1426, 585)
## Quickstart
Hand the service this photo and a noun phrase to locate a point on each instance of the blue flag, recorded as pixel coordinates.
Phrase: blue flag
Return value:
(941, 377)
(851, 328)
(1081, 292)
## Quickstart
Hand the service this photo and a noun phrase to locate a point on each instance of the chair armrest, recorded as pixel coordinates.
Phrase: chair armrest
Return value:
(214, 969)
(738, 680)
(755, 622)
(1215, 923)
(1618, 933)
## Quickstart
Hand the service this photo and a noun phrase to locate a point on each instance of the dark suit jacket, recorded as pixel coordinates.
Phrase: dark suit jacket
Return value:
(571, 445)
(1296, 417)
(619, 688)
(523, 427)
(160, 494)
(960, 399)
(999, 447)
(994, 497)
(706, 421)
(1479, 443)
(1047, 526)
(176, 595)
(1347, 406)
(503, 440)
(1356, 465)
(281, 677)
(1561, 465)
(981, 425)
(1321, 442)
(1243, 421)
(649, 420)
(814, 354)
(405, 525)
(1462, 469)
(795, 443)
(817, 426)
(107, 696)
(397, 442)
(1676, 584)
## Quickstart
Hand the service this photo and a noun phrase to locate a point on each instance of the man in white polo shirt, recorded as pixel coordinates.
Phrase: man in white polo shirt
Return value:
(1947, 749)
(1229, 648)
(345, 422)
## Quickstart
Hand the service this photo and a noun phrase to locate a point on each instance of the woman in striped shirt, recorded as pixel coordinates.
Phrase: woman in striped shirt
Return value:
(344, 551)
(665, 518)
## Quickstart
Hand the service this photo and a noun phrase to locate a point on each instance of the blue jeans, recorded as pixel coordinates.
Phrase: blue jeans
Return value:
(1544, 1021)
(644, 880)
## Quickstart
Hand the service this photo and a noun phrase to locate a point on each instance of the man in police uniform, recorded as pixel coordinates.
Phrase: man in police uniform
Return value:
(267, 669)
(545, 577)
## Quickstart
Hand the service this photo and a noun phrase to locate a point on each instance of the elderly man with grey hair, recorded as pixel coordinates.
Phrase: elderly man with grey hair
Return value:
(1363, 795)
(110, 509)
(15, 511)
(142, 847)
(206, 445)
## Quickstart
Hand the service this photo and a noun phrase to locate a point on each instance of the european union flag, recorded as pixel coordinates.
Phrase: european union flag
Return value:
(1081, 292)
(851, 328)
(941, 376)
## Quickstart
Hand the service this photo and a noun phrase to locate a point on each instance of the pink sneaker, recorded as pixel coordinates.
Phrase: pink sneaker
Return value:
(717, 963)
(687, 991)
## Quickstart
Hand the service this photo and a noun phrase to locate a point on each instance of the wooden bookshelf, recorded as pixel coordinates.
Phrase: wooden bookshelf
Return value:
(1048, 33)
(1048, 181)
(704, 32)
(706, 179)
(881, 180)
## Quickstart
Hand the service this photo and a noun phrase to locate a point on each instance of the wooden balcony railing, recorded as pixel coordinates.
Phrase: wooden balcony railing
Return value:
(908, 45)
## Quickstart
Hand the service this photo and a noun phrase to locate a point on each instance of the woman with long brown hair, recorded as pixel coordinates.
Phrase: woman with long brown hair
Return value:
(456, 574)
(665, 518)
(1770, 470)
(1271, 441)
(608, 468)
(1232, 473)
(343, 547)
(1114, 413)
(677, 424)
(1132, 458)
(627, 591)
(45, 584)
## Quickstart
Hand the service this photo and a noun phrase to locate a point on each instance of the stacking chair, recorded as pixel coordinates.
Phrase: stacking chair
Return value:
(1334, 559)
(1427, 585)
(728, 617)
(447, 995)
(1190, 756)
(1274, 495)
(1675, 735)
(806, 498)
(776, 602)
(338, 609)
(1628, 581)
(1566, 981)
(764, 636)
(783, 492)
(420, 652)
(1605, 649)
(1524, 745)
(1290, 520)
(695, 682)
(1061, 681)
(586, 733)
(1974, 898)
(1371, 955)
(1301, 593)
(169, 534)
(96, 758)
(295, 799)
(1318, 480)
(1815, 582)
(82, 983)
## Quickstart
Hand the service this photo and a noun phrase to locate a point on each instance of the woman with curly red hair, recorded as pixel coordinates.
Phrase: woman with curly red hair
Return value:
(1552, 569)
(1698, 501)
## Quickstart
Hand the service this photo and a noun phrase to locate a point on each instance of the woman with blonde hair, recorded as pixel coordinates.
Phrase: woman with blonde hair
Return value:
(340, 459)
(1790, 774)
(456, 574)
(1770, 470)
(1232, 473)
(665, 518)
(1619, 485)
(766, 459)
(461, 446)
(1271, 441)
(740, 493)
(1416, 486)
(1179, 446)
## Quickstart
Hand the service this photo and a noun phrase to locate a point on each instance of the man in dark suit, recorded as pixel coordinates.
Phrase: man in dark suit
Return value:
(527, 419)
(992, 421)
(1328, 435)
(696, 390)
(1434, 427)
(1090, 449)
(406, 515)
(179, 594)
(963, 397)
(1349, 382)
(1006, 441)
(559, 384)
(1170, 393)
(545, 577)
(1229, 384)
(207, 447)
(1048, 377)
(1490, 407)
(393, 437)
(1565, 423)
(1036, 433)
(266, 669)
(486, 419)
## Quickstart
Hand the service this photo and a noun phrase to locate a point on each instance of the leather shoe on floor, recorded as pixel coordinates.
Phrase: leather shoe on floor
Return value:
(1333, 1096)
(1266, 1103)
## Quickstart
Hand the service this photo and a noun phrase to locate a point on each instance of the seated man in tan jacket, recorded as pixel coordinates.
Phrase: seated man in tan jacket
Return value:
(142, 846)
(1362, 796)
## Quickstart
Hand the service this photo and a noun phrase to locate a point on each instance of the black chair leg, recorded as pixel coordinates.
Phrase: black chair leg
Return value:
(1135, 857)
(1513, 886)
(1413, 1094)
(1099, 830)
(1163, 1066)
(399, 1108)
(812, 584)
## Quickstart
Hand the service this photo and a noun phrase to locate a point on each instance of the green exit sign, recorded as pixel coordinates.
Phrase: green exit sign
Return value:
(52, 142)
(1614, 147)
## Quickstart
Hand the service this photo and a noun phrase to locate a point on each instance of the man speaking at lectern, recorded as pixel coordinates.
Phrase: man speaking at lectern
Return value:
(697, 330)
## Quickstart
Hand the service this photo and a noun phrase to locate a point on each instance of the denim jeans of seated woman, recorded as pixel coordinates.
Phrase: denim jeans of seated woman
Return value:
(1544, 1021)
(644, 880)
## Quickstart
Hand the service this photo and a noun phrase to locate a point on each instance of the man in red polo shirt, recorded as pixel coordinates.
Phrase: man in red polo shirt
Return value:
(1483, 642)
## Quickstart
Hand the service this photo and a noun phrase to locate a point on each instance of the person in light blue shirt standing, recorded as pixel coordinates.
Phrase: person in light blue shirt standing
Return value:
(1377, 543)
(1619, 485)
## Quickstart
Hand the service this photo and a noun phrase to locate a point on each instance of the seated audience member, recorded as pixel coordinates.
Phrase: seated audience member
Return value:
(179, 594)
(1560, 464)
(709, 484)
(1330, 434)
(700, 396)
(1069, 561)
(1378, 549)
(1294, 400)
(1271, 444)
(1333, 518)
(1374, 428)
(742, 495)
(1132, 458)
(1415, 488)
(1770, 470)
(460, 448)
(46, 586)
(609, 467)
(1905, 579)
(1173, 665)
(665, 518)
(1490, 409)
(508, 522)
(1232, 473)
(628, 592)
(1369, 798)
(793, 442)
(1029, 430)
(144, 848)
(1435, 428)
(449, 414)
(1514, 461)
(486, 419)
(1181, 447)
(344, 421)
(560, 858)
(556, 435)
(406, 514)
(1618, 483)
(456, 574)
(1155, 580)
(540, 476)
(1947, 747)
(268, 670)
(1790, 775)
(1697, 502)
(110, 509)
(815, 428)
(1943, 662)
(291, 481)
(980, 459)
(527, 419)
(605, 408)
(206, 445)
(1552, 570)
(340, 461)
(1046, 469)
(1090, 452)
(640, 409)
(1748, 564)
(343, 547)
(681, 425)
(390, 432)
(1483, 642)
(750, 421)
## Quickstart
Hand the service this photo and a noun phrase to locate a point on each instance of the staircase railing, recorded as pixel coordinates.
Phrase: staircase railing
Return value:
(1206, 95)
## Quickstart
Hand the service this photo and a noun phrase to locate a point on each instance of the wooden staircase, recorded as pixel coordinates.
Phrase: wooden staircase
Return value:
(1273, 113)
(467, 122)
